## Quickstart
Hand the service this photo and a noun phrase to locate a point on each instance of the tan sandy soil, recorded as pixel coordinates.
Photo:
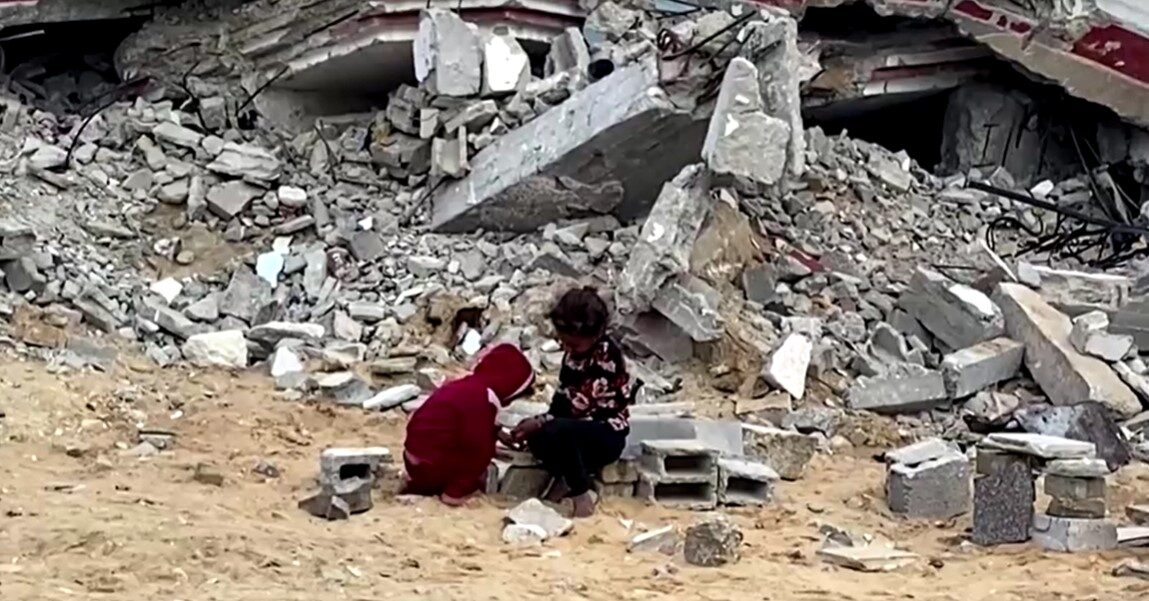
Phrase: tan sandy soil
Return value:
(80, 519)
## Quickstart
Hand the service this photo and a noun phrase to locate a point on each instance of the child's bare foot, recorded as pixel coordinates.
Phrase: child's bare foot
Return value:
(584, 504)
(559, 491)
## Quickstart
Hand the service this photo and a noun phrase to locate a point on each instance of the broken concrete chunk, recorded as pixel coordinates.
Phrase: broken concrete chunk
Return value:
(666, 240)
(1089, 337)
(787, 367)
(904, 389)
(219, 349)
(1040, 445)
(664, 540)
(568, 53)
(744, 146)
(691, 304)
(271, 333)
(248, 162)
(1065, 375)
(958, 315)
(177, 135)
(785, 451)
(713, 543)
(1090, 422)
(537, 174)
(228, 200)
(920, 452)
(246, 295)
(506, 66)
(978, 367)
(1076, 292)
(532, 512)
(1003, 498)
(448, 56)
(868, 558)
(392, 397)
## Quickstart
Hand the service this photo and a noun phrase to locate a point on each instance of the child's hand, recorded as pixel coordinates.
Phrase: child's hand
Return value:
(507, 438)
(526, 428)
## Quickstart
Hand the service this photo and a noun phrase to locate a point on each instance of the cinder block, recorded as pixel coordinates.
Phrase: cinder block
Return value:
(683, 494)
(679, 460)
(743, 482)
(338, 464)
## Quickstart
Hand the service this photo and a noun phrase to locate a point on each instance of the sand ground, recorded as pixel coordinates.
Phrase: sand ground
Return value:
(82, 519)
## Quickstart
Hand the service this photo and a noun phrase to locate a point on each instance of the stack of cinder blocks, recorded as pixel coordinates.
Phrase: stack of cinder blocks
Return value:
(692, 475)
(346, 476)
(1004, 493)
(516, 474)
(928, 480)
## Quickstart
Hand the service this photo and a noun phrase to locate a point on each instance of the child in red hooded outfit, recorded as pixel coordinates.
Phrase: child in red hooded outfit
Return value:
(451, 437)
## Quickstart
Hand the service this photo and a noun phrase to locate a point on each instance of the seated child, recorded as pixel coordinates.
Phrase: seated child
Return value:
(586, 427)
(451, 437)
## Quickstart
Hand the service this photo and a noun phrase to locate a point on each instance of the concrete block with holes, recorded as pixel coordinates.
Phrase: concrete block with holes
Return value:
(678, 473)
(339, 464)
(745, 482)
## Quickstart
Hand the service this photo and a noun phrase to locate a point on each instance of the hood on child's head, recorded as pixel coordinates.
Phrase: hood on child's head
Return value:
(505, 370)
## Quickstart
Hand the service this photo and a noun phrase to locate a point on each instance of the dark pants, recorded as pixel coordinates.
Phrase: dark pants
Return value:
(575, 450)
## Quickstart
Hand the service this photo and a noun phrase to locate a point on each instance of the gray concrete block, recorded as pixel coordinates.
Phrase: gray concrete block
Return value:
(339, 464)
(785, 451)
(1003, 501)
(697, 495)
(1066, 376)
(920, 452)
(521, 482)
(906, 389)
(742, 482)
(982, 365)
(936, 489)
(1071, 535)
(679, 460)
(589, 155)
(956, 314)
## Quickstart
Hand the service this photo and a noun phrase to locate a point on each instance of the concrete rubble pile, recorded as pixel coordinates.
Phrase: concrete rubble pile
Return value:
(803, 277)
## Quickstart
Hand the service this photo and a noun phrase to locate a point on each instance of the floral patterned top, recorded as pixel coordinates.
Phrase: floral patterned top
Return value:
(595, 386)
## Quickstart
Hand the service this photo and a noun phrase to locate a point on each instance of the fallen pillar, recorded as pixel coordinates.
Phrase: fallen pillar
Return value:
(1066, 376)
(606, 150)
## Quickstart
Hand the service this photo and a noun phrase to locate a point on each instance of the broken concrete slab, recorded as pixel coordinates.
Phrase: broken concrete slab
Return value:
(920, 452)
(1085, 467)
(532, 512)
(1066, 376)
(785, 451)
(447, 54)
(568, 53)
(666, 240)
(1040, 445)
(664, 540)
(869, 558)
(251, 163)
(978, 367)
(904, 389)
(1089, 422)
(956, 314)
(1076, 292)
(744, 147)
(587, 156)
(772, 45)
(691, 304)
(1089, 337)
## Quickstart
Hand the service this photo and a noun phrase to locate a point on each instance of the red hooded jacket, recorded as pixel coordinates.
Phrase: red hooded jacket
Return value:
(451, 437)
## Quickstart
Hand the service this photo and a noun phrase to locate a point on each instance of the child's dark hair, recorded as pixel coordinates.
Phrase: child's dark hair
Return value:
(580, 312)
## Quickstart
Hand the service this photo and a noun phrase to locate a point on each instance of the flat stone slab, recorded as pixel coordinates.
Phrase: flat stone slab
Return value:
(871, 558)
(1040, 445)
(982, 365)
(920, 452)
(1077, 468)
(1139, 514)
